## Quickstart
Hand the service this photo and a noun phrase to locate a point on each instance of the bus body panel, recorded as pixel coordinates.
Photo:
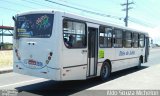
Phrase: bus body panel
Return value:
(109, 54)
(30, 56)
(126, 58)
(73, 60)
(34, 53)
(74, 67)
(74, 73)
(55, 43)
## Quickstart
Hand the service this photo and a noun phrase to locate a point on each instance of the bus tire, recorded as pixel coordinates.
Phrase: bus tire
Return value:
(139, 63)
(105, 71)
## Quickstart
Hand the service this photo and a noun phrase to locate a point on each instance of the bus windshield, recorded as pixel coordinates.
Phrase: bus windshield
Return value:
(34, 26)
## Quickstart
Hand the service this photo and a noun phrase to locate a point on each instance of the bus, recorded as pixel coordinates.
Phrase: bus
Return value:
(63, 46)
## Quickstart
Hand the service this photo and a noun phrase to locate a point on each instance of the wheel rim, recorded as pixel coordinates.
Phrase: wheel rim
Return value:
(105, 71)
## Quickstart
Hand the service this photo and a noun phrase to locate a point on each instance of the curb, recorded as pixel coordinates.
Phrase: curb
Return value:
(6, 71)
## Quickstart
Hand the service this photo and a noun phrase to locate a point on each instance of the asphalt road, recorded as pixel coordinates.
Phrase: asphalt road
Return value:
(31, 86)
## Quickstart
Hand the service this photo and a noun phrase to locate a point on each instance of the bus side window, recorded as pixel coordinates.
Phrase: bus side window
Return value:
(127, 39)
(70, 41)
(105, 37)
(118, 38)
(75, 33)
(135, 40)
(141, 40)
(66, 42)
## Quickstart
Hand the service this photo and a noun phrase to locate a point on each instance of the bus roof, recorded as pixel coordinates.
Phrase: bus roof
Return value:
(82, 18)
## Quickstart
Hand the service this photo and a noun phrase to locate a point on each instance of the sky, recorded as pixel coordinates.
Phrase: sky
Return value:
(144, 15)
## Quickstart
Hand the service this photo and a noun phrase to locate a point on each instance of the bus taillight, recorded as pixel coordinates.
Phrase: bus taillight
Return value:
(49, 57)
(17, 54)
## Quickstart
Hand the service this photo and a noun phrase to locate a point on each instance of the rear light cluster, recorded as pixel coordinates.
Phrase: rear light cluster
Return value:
(49, 57)
(17, 54)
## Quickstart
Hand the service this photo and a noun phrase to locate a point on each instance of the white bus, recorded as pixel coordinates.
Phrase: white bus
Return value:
(62, 46)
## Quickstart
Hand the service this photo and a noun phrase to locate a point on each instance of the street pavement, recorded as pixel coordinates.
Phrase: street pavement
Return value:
(147, 77)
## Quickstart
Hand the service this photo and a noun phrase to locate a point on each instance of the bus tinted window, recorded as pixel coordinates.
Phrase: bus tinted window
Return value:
(105, 37)
(34, 26)
(135, 40)
(118, 38)
(128, 39)
(141, 40)
(74, 34)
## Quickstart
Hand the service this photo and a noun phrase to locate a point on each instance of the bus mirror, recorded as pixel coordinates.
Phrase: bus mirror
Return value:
(15, 34)
(14, 18)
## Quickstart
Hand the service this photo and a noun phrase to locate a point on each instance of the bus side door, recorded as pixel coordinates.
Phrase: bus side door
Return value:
(92, 49)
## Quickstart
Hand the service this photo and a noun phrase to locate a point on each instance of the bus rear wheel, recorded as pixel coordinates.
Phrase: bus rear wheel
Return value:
(105, 71)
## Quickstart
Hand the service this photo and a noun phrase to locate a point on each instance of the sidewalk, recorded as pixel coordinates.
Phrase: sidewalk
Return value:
(148, 78)
(6, 70)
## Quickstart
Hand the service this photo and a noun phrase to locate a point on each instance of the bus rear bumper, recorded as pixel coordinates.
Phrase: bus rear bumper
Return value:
(47, 72)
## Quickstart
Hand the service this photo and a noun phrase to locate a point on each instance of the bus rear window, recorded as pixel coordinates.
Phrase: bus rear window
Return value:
(34, 26)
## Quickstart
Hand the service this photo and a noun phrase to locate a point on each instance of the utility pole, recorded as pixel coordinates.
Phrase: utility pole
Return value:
(126, 9)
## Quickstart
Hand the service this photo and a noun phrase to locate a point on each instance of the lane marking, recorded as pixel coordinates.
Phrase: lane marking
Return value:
(22, 82)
